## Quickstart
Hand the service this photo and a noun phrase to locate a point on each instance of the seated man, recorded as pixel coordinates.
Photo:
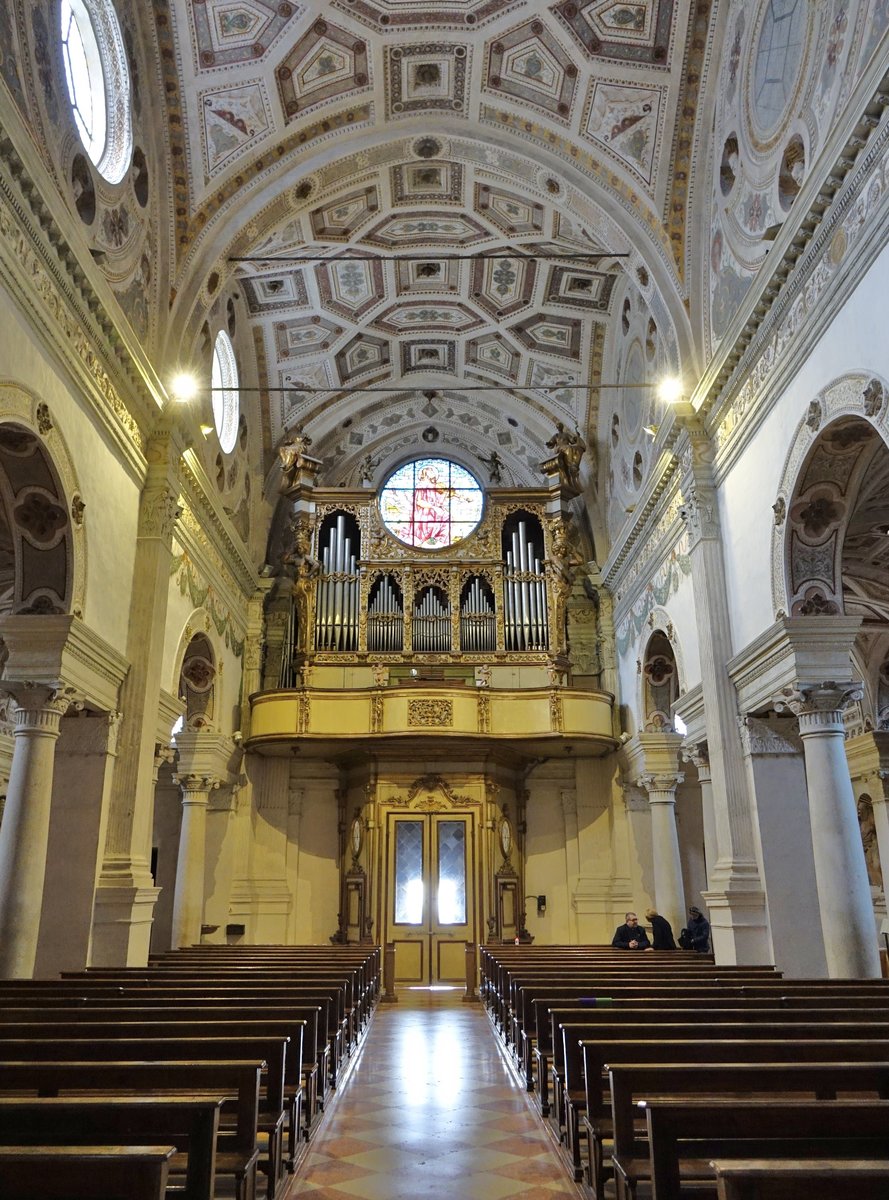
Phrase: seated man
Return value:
(697, 934)
(629, 936)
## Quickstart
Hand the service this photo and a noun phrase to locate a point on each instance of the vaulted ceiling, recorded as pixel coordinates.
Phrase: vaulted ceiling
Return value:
(443, 202)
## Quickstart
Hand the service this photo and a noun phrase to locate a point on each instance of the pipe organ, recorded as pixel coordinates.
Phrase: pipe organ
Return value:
(478, 621)
(385, 618)
(432, 622)
(361, 590)
(338, 592)
(524, 594)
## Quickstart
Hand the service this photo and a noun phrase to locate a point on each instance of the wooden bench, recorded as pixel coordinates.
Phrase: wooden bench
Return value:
(236, 1156)
(630, 1083)
(87, 1172)
(800, 1179)
(190, 1123)
(683, 1136)
(271, 1050)
(568, 1069)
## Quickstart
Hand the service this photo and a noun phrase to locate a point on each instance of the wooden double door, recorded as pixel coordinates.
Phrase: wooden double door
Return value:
(431, 873)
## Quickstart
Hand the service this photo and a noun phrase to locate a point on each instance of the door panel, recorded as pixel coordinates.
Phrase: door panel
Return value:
(430, 897)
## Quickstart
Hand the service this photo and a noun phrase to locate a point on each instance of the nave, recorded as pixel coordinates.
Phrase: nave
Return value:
(431, 1110)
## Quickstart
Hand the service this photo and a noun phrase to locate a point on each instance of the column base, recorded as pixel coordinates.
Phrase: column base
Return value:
(122, 917)
(739, 923)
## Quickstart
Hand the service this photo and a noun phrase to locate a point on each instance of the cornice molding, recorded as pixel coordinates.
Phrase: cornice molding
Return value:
(234, 560)
(53, 278)
(650, 511)
(800, 246)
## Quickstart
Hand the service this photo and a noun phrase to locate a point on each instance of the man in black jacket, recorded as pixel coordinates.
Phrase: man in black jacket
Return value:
(629, 936)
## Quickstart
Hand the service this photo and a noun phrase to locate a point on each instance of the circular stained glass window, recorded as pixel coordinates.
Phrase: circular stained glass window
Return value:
(779, 57)
(98, 80)
(431, 503)
(224, 382)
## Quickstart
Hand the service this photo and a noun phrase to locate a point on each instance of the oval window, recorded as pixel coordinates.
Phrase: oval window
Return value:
(224, 382)
(431, 503)
(98, 80)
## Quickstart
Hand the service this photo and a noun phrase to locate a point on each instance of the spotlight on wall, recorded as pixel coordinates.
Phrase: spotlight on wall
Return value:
(206, 430)
(183, 387)
(670, 389)
(651, 430)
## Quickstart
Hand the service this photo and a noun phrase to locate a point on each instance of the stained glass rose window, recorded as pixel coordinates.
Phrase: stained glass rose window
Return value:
(431, 503)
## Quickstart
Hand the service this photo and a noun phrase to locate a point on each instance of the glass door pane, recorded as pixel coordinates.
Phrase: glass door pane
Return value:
(409, 873)
(451, 884)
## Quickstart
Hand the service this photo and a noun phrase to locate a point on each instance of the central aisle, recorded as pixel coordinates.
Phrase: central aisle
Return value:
(431, 1111)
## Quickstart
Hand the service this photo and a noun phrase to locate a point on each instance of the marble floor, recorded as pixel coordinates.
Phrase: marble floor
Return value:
(431, 1110)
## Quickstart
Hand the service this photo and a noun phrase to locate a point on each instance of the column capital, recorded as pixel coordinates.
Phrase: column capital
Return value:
(194, 786)
(759, 737)
(661, 788)
(698, 754)
(819, 706)
(39, 707)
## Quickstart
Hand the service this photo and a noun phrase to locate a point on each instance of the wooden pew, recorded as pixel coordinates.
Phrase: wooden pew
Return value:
(568, 1071)
(630, 1083)
(683, 1136)
(800, 1179)
(272, 1050)
(88, 1172)
(190, 1123)
(237, 1152)
(536, 1031)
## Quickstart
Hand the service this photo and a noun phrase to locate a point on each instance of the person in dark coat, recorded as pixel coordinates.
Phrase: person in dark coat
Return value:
(661, 930)
(629, 936)
(696, 935)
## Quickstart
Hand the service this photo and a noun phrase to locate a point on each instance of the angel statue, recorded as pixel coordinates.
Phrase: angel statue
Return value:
(568, 450)
(494, 463)
(292, 454)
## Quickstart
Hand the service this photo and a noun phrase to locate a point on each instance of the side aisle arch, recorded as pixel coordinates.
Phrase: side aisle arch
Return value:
(195, 672)
(42, 539)
(661, 676)
(830, 544)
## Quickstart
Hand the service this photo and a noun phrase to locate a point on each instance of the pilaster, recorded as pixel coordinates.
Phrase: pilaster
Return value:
(736, 899)
(126, 894)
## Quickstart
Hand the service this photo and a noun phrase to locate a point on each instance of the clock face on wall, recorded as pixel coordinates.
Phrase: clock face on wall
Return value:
(356, 835)
(505, 836)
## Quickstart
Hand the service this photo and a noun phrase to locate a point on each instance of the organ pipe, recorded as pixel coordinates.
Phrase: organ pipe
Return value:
(478, 624)
(526, 621)
(336, 617)
(385, 620)
(431, 628)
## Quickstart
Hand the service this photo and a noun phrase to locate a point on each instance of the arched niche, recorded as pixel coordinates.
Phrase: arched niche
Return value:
(659, 683)
(196, 688)
(830, 546)
(37, 556)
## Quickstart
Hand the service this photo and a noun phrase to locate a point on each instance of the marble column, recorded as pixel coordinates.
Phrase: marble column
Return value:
(126, 895)
(188, 896)
(24, 833)
(736, 899)
(697, 754)
(669, 894)
(847, 916)
(868, 758)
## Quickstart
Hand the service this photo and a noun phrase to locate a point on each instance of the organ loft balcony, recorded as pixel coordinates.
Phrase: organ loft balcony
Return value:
(431, 614)
(344, 711)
